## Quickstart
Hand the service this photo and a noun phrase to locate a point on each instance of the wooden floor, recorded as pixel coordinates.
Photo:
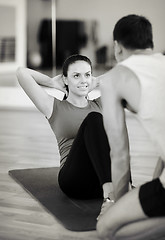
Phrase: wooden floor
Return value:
(26, 141)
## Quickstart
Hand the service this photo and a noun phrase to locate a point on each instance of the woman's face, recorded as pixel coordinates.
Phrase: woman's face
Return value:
(79, 78)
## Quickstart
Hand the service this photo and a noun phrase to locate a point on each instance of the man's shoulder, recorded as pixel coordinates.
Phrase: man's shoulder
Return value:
(121, 83)
(117, 76)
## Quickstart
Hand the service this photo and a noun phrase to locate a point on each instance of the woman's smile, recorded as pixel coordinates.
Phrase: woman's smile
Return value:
(83, 87)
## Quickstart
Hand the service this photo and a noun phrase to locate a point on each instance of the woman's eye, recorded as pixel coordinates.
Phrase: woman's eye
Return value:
(76, 75)
(88, 75)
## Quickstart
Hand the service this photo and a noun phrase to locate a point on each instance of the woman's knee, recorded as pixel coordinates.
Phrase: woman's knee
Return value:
(94, 117)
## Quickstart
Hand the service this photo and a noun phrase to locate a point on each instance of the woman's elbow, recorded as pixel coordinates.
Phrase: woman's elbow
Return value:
(19, 71)
(20, 74)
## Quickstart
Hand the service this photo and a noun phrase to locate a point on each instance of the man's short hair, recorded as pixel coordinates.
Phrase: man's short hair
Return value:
(134, 32)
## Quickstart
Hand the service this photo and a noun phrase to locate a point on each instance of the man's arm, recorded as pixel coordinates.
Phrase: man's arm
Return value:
(115, 126)
(159, 168)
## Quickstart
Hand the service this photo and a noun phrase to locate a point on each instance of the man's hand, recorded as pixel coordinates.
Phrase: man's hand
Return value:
(107, 203)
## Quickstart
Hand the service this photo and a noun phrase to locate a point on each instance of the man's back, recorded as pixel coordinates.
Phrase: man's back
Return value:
(149, 70)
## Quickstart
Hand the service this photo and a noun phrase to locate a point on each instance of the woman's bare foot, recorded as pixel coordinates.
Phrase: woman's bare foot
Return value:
(107, 202)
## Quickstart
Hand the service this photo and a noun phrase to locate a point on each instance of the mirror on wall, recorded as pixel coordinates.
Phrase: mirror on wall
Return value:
(12, 34)
(7, 34)
(74, 33)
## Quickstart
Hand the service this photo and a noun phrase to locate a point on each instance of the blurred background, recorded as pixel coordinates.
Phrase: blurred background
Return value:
(40, 34)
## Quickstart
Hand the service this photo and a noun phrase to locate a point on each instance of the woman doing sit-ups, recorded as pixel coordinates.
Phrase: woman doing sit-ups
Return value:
(85, 166)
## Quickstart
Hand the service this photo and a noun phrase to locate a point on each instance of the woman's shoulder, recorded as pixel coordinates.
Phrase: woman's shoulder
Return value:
(57, 103)
(96, 101)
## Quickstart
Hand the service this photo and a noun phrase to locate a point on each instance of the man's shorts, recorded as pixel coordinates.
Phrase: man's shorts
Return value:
(152, 198)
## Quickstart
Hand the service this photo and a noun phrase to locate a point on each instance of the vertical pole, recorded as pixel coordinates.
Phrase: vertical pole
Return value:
(53, 7)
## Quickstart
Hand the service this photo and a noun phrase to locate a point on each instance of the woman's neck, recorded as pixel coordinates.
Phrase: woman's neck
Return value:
(78, 101)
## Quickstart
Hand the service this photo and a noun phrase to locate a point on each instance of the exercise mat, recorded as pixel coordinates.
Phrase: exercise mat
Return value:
(42, 184)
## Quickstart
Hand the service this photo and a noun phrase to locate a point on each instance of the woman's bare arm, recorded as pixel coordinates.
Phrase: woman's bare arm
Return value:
(31, 81)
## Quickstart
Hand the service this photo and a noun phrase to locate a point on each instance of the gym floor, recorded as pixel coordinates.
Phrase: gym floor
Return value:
(26, 141)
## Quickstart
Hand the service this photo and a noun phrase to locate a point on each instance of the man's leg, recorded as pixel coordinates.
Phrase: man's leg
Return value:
(125, 210)
(138, 204)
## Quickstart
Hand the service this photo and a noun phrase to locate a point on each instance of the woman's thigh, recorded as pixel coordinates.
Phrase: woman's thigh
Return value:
(78, 176)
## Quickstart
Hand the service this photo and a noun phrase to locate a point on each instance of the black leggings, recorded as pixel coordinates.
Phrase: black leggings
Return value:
(88, 164)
